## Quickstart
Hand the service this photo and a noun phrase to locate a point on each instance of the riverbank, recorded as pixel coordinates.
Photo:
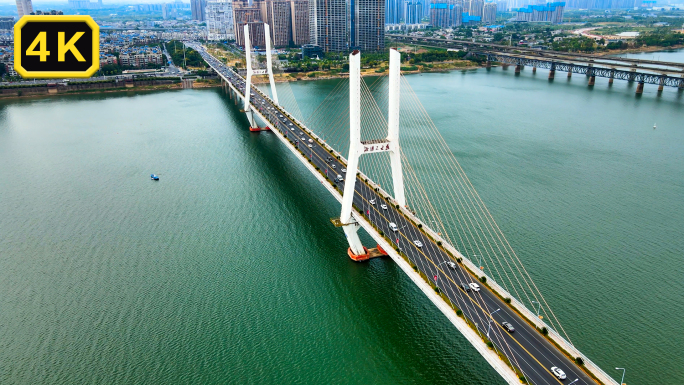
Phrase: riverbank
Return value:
(32, 90)
(646, 49)
(369, 72)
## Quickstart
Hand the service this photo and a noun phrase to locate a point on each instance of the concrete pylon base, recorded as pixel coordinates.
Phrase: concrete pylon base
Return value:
(592, 81)
(569, 75)
(257, 129)
(358, 257)
(552, 74)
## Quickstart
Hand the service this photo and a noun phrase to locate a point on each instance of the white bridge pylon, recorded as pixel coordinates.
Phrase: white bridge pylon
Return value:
(250, 72)
(358, 148)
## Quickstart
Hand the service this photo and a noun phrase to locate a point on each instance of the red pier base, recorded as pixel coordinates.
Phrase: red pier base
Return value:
(257, 129)
(359, 258)
(381, 250)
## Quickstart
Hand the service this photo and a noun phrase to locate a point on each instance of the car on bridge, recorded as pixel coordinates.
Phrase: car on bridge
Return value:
(474, 286)
(393, 227)
(509, 328)
(451, 265)
(558, 373)
(372, 201)
(465, 287)
(416, 242)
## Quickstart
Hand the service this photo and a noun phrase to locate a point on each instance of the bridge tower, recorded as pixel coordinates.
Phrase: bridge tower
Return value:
(356, 147)
(248, 81)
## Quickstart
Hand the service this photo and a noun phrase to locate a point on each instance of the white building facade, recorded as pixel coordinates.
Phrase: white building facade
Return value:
(219, 14)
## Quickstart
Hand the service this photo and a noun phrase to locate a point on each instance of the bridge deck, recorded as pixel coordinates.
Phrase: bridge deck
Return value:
(533, 353)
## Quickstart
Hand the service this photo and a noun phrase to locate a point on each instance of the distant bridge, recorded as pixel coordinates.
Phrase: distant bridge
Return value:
(634, 70)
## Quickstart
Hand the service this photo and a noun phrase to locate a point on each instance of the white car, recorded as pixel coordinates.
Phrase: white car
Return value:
(309, 145)
(290, 125)
(303, 139)
(344, 170)
(474, 286)
(393, 227)
(383, 206)
(291, 129)
(333, 166)
(558, 373)
(372, 201)
(418, 243)
(280, 116)
(310, 140)
(451, 265)
(339, 177)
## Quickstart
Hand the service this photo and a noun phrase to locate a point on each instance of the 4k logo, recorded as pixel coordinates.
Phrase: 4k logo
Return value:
(56, 46)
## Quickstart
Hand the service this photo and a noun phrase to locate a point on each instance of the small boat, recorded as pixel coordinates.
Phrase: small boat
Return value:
(154, 177)
(654, 126)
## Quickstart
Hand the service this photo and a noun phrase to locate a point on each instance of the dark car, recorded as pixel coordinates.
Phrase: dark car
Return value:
(509, 328)
(464, 286)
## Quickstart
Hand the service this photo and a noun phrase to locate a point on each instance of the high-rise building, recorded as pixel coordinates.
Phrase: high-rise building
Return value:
(476, 8)
(368, 25)
(604, 4)
(413, 11)
(24, 7)
(276, 13)
(219, 17)
(165, 11)
(489, 13)
(440, 15)
(246, 13)
(198, 9)
(328, 24)
(299, 10)
(456, 14)
(552, 12)
(394, 11)
(446, 13)
(502, 6)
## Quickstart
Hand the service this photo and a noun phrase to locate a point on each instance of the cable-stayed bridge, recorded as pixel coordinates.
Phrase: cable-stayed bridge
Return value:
(416, 202)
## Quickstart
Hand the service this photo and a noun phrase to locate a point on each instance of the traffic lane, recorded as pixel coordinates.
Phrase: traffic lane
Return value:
(476, 314)
(480, 309)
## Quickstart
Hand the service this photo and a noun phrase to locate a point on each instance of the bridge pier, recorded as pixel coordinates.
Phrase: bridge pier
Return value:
(640, 88)
(489, 64)
(592, 80)
(612, 77)
(661, 85)
(517, 69)
(534, 69)
(569, 74)
(681, 84)
(552, 74)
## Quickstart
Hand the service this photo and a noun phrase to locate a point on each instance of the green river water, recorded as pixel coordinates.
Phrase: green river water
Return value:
(228, 269)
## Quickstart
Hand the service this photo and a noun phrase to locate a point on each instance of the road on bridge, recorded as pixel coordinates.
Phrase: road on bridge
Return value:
(531, 352)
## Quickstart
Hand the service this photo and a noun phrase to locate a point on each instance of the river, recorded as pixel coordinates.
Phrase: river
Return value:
(228, 270)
